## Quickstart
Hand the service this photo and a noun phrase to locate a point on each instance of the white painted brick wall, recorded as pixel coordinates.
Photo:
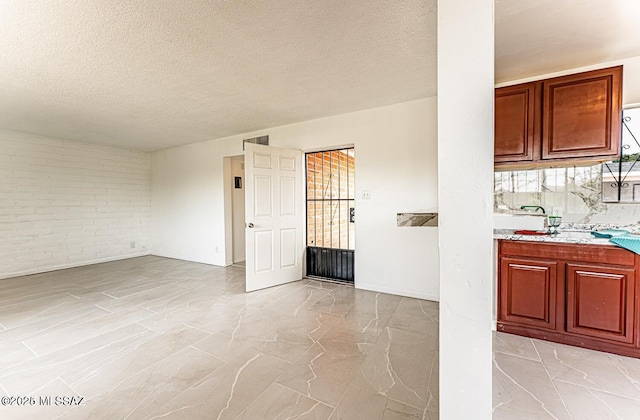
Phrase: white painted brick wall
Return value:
(65, 203)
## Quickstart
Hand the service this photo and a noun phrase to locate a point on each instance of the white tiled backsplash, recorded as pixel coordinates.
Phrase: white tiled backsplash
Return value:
(575, 192)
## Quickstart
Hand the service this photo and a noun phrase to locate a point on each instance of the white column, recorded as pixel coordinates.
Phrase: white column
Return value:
(465, 202)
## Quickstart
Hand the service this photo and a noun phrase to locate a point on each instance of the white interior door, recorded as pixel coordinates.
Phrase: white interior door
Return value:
(274, 210)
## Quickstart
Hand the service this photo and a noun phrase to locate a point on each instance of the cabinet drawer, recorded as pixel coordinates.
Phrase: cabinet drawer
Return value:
(569, 252)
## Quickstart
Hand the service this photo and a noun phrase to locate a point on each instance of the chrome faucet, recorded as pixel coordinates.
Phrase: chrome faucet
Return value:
(535, 208)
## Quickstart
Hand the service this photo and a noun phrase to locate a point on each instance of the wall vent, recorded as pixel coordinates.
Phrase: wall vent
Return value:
(256, 140)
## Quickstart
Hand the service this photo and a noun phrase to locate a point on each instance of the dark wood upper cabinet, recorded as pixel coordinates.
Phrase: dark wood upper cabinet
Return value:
(569, 118)
(515, 128)
(582, 114)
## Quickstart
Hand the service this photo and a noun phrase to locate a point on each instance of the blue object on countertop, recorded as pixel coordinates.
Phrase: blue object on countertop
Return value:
(609, 233)
(629, 241)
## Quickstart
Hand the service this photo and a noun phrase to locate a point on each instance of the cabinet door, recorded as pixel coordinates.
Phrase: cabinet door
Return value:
(515, 117)
(581, 114)
(600, 301)
(528, 292)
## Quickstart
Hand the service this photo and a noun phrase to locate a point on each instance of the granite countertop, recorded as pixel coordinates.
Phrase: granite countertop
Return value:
(565, 237)
(568, 233)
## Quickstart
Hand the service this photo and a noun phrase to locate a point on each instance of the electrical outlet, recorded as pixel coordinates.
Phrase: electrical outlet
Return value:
(132, 244)
(366, 194)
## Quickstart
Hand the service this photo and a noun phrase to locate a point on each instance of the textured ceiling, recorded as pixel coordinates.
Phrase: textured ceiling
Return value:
(148, 74)
(544, 36)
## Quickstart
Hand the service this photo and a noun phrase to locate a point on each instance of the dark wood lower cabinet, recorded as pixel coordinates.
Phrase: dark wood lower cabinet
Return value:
(582, 295)
(528, 292)
(600, 301)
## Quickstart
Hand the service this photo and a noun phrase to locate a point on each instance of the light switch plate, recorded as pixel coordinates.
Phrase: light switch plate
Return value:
(366, 194)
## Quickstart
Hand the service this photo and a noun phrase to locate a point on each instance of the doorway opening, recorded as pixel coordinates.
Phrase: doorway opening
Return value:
(330, 197)
(237, 210)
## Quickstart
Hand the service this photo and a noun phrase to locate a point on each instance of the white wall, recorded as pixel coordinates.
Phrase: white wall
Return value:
(65, 203)
(631, 81)
(187, 202)
(396, 158)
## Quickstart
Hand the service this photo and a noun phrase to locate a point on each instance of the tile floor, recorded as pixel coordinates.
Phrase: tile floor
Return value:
(158, 338)
(535, 379)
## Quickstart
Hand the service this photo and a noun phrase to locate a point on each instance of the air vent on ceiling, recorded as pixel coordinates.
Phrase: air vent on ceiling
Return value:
(256, 140)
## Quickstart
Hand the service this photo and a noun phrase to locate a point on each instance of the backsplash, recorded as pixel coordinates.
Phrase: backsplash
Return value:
(575, 190)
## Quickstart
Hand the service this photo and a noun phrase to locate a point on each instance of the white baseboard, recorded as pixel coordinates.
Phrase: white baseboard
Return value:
(399, 292)
(239, 260)
(72, 265)
(181, 258)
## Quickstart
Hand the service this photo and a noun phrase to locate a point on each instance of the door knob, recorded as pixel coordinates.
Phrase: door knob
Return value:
(250, 225)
